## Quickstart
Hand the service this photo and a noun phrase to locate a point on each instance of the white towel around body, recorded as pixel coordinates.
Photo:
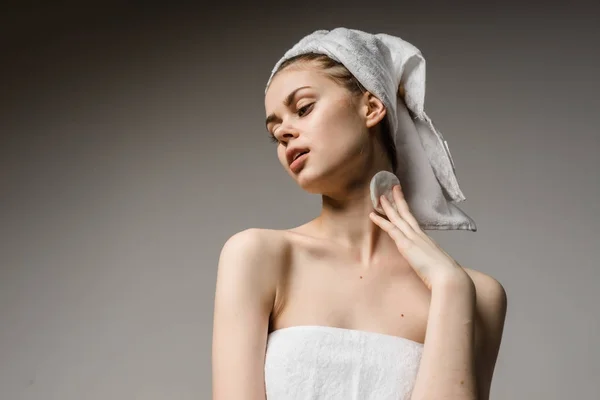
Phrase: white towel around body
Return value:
(319, 362)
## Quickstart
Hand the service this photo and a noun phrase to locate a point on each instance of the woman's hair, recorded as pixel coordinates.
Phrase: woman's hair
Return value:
(340, 74)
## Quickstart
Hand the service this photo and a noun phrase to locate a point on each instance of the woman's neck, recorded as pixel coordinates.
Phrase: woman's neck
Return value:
(347, 223)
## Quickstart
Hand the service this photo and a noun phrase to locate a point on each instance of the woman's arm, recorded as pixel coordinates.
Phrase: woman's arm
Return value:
(245, 291)
(464, 332)
(491, 306)
(447, 369)
(463, 337)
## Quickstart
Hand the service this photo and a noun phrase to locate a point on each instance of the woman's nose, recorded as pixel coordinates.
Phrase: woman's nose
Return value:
(287, 132)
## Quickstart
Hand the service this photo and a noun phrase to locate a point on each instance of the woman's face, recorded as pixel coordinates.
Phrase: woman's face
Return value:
(322, 117)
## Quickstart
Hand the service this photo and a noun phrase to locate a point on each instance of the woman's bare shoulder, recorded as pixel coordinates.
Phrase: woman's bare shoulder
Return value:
(263, 238)
(486, 285)
(260, 248)
(249, 270)
(491, 295)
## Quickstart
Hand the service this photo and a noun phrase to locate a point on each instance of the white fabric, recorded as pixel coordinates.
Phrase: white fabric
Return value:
(382, 63)
(319, 362)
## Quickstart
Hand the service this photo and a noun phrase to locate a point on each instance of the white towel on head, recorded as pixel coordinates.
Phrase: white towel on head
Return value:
(382, 63)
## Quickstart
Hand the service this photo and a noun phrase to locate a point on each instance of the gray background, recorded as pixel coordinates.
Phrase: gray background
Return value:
(133, 145)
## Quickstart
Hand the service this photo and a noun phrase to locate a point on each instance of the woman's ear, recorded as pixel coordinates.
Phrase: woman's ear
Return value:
(375, 110)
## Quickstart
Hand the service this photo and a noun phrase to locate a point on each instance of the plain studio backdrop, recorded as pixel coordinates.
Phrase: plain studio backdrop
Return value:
(133, 145)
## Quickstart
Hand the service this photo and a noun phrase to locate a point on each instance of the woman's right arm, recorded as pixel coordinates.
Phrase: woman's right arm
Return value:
(244, 297)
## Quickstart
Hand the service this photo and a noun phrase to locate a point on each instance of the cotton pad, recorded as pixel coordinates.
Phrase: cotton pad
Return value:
(382, 183)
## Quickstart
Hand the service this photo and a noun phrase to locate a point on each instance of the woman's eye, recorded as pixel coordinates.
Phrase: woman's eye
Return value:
(301, 112)
(304, 109)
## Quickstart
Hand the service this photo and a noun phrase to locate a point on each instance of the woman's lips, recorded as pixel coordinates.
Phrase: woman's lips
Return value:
(299, 162)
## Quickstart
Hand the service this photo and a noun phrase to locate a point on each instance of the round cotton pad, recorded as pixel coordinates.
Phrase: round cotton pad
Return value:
(382, 184)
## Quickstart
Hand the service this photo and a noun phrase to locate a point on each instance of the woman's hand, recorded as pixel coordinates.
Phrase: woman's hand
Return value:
(431, 263)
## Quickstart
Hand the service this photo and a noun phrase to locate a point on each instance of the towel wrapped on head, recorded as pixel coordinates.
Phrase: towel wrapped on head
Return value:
(394, 71)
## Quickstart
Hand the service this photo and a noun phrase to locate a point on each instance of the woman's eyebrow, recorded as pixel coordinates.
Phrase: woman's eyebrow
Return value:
(286, 102)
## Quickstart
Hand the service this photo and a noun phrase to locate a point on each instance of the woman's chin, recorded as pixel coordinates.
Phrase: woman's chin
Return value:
(312, 183)
(307, 181)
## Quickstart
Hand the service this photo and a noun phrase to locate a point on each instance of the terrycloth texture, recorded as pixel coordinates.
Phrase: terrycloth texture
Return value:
(382, 64)
(319, 362)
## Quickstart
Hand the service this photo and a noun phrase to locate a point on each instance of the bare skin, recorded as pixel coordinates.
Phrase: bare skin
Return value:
(345, 268)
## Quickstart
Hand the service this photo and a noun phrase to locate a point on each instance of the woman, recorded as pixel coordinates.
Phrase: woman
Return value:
(349, 305)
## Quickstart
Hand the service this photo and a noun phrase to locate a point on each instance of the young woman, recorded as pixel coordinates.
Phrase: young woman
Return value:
(349, 305)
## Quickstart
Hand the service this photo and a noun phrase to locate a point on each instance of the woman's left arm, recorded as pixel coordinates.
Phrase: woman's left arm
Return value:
(464, 329)
(466, 313)
(490, 307)
(447, 368)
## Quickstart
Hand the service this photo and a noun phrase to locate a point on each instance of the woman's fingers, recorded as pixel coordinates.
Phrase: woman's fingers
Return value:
(395, 233)
(395, 218)
(403, 208)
